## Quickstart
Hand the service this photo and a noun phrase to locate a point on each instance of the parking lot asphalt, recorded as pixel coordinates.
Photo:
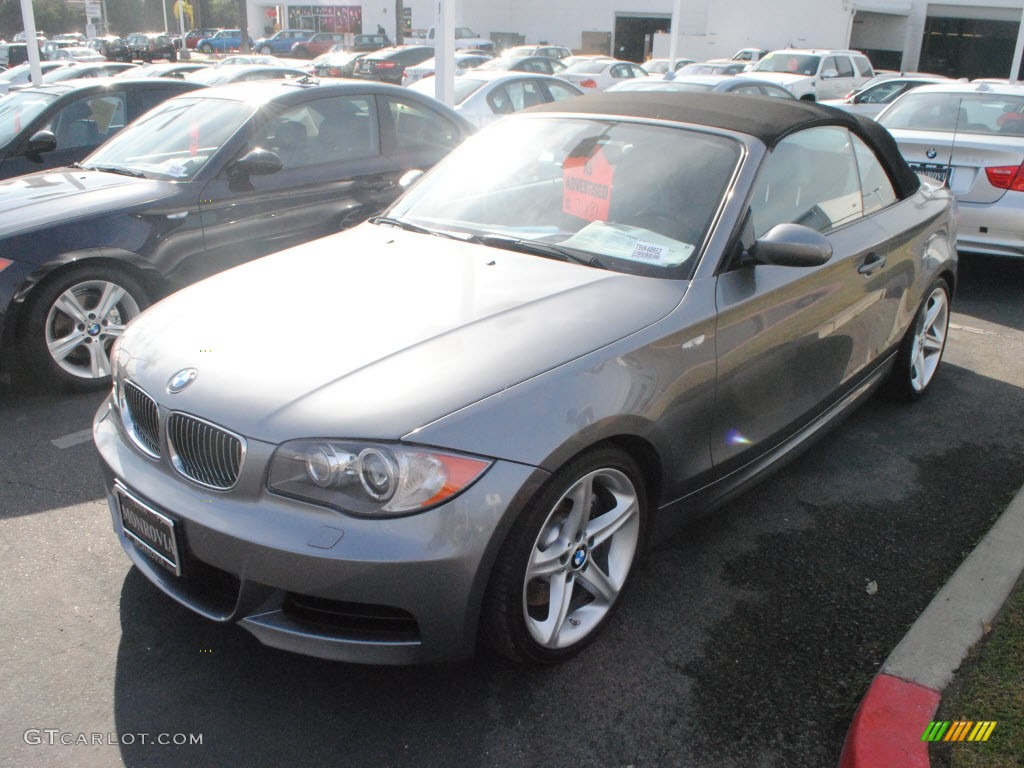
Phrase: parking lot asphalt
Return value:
(747, 640)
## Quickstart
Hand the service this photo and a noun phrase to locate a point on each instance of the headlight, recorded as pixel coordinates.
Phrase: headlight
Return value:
(370, 479)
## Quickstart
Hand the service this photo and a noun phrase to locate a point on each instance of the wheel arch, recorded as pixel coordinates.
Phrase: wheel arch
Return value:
(100, 257)
(638, 448)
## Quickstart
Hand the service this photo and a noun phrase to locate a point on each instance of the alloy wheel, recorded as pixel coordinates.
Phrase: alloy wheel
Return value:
(580, 559)
(83, 323)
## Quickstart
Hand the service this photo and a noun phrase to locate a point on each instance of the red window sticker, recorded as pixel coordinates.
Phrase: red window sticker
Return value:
(587, 186)
(193, 139)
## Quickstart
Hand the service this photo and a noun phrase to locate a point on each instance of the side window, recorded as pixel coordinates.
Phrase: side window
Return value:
(810, 178)
(863, 66)
(327, 130)
(777, 93)
(829, 62)
(844, 66)
(418, 127)
(560, 92)
(524, 93)
(500, 102)
(620, 71)
(876, 188)
(89, 121)
(638, 71)
(150, 97)
(747, 90)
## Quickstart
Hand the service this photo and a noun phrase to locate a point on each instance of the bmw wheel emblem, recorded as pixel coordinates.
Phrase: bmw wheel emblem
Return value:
(579, 557)
(930, 154)
(181, 379)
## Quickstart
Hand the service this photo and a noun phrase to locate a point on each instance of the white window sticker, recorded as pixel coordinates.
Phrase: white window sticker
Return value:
(633, 243)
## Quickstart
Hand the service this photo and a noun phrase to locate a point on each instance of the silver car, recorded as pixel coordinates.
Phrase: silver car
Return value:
(872, 98)
(969, 136)
(484, 96)
(467, 418)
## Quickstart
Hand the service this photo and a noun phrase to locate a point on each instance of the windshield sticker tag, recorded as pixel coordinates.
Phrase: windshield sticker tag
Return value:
(587, 186)
(649, 252)
(177, 170)
(193, 139)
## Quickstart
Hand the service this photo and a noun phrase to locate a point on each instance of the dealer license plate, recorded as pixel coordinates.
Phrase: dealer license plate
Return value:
(937, 171)
(153, 533)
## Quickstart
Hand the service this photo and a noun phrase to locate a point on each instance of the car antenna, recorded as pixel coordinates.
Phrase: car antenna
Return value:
(952, 146)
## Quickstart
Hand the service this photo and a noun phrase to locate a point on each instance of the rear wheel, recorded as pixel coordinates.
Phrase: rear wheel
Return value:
(560, 572)
(920, 352)
(206, 48)
(73, 321)
(266, 49)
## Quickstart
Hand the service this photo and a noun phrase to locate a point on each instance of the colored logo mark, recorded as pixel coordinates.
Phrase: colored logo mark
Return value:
(959, 730)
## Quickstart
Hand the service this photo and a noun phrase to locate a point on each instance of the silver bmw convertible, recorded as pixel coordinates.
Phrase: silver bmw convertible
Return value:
(465, 420)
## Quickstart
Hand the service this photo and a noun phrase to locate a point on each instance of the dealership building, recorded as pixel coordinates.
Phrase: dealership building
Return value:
(975, 38)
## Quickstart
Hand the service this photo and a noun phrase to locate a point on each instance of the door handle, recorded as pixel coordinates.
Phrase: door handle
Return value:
(871, 264)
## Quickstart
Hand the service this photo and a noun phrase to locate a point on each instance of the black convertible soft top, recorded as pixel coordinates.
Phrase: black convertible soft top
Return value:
(768, 119)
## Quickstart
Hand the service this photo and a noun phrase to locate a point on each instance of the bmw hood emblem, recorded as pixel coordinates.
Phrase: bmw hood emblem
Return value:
(181, 379)
(930, 154)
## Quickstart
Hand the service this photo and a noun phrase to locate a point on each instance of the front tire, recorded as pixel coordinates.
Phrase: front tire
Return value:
(206, 49)
(73, 321)
(559, 574)
(920, 352)
(266, 50)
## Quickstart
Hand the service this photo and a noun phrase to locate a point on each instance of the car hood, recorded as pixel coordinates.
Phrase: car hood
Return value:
(63, 195)
(375, 332)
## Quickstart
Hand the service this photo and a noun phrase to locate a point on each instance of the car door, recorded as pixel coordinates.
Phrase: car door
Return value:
(840, 85)
(792, 340)
(333, 174)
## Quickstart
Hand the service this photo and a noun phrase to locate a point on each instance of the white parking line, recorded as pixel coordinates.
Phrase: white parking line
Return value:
(969, 329)
(75, 438)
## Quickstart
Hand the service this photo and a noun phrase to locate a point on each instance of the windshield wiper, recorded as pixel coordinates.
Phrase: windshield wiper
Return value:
(410, 227)
(548, 250)
(115, 169)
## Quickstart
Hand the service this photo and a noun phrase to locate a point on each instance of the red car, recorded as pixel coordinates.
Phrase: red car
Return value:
(193, 36)
(321, 42)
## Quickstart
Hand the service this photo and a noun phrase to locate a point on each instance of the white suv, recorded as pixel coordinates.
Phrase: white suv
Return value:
(814, 75)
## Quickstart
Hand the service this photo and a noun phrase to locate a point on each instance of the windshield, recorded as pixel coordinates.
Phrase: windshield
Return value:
(70, 72)
(174, 140)
(17, 110)
(981, 113)
(13, 74)
(464, 33)
(626, 196)
(793, 63)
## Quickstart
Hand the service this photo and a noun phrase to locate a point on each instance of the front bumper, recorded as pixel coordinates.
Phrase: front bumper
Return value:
(993, 228)
(313, 581)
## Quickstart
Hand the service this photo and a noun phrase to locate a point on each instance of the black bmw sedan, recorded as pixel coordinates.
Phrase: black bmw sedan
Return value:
(204, 182)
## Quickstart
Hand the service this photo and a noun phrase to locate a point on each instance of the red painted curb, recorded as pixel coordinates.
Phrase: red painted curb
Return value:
(887, 727)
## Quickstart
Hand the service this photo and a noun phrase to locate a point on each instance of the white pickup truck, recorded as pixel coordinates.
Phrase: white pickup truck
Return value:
(464, 38)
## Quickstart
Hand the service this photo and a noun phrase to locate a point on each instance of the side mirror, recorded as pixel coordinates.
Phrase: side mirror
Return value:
(258, 162)
(829, 74)
(41, 141)
(409, 178)
(791, 245)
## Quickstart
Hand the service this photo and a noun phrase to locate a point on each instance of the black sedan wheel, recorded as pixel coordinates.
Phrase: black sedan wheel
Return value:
(73, 322)
(921, 350)
(560, 573)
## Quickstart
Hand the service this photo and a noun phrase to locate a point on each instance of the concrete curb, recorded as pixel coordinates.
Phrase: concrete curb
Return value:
(900, 702)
